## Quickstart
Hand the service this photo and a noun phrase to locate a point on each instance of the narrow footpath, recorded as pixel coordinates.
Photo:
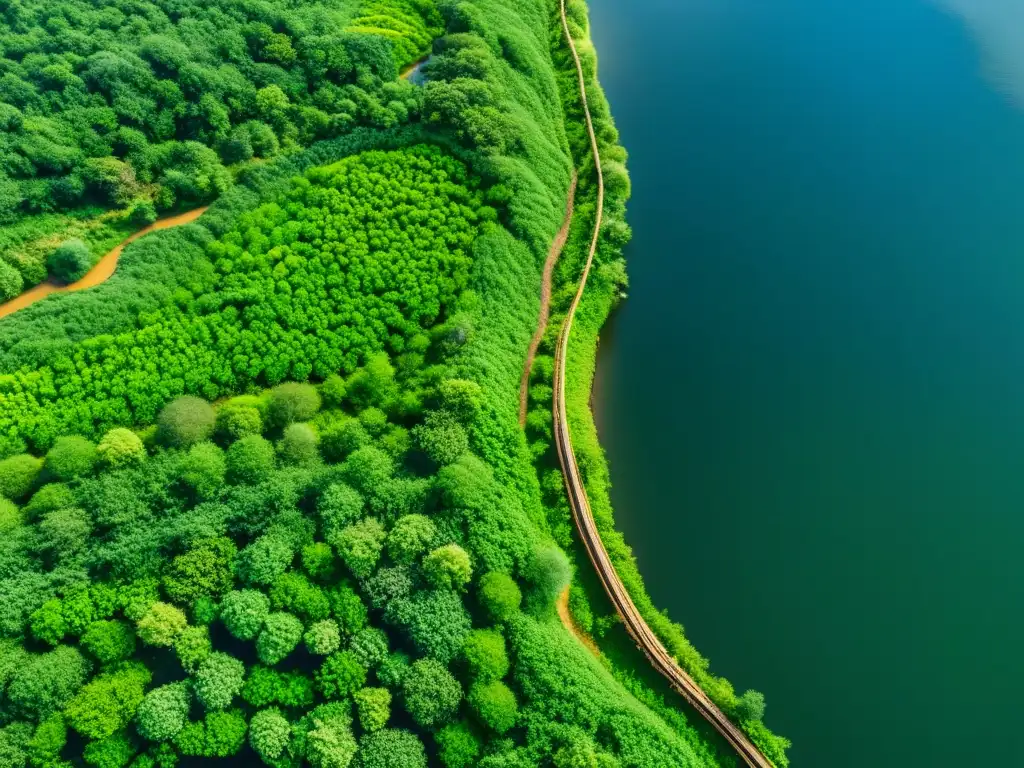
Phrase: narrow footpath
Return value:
(103, 270)
(545, 298)
(638, 629)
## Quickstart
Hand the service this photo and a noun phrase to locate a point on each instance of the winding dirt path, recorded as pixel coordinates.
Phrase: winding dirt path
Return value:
(104, 268)
(545, 298)
(635, 624)
(565, 616)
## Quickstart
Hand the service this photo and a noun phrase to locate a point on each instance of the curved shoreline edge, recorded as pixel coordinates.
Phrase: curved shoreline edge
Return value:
(583, 517)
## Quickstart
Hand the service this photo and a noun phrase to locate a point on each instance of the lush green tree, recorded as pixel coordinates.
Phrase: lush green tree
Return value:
(359, 545)
(750, 706)
(114, 751)
(243, 613)
(48, 741)
(192, 647)
(120, 448)
(64, 532)
(463, 398)
(11, 281)
(220, 734)
(318, 561)
(391, 748)
(164, 711)
(280, 635)
(78, 608)
(250, 460)
(142, 214)
(161, 624)
(441, 437)
(448, 567)
(431, 693)
(10, 516)
(368, 469)
(70, 261)
(340, 438)
(330, 743)
(338, 506)
(70, 457)
(374, 421)
(238, 418)
(495, 705)
(205, 610)
(269, 734)
(298, 445)
(292, 402)
(393, 669)
(437, 622)
(218, 680)
(293, 592)
(323, 637)
(47, 623)
(109, 641)
(348, 609)
(203, 469)
(340, 675)
(458, 745)
(485, 656)
(18, 475)
(204, 570)
(266, 686)
(48, 498)
(550, 573)
(373, 384)
(579, 752)
(370, 646)
(186, 421)
(135, 598)
(395, 442)
(409, 538)
(388, 587)
(332, 391)
(374, 708)
(109, 701)
(263, 561)
(45, 683)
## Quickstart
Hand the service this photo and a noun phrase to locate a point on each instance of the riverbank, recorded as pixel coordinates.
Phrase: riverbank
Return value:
(102, 271)
(599, 297)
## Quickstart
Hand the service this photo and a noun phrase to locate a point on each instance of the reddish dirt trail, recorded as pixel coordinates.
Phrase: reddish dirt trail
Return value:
(565, 615)
(545, 298)
(104, 268)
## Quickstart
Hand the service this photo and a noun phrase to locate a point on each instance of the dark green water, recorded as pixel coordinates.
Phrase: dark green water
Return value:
(813, 401)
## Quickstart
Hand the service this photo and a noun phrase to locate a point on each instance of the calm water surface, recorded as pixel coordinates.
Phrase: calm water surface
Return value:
(827, 314)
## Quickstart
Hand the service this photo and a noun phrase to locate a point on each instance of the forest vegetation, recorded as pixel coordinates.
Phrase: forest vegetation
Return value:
(264, 495)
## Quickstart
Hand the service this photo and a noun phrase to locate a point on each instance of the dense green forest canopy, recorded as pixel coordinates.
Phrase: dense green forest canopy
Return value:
(357, 256)
(144, 106)
(264, 495)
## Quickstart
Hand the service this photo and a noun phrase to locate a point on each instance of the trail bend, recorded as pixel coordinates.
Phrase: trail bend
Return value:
(545, 297)
(102, 271)
(635, 624)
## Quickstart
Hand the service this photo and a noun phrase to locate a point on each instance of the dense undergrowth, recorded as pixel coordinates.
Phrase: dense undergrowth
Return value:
(358, 571)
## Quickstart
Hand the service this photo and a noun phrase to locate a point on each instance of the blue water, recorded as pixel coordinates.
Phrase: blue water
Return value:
(827, 304)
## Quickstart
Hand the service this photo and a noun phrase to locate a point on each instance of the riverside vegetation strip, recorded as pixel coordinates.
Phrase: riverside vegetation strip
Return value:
(349, 560)
(584, 517)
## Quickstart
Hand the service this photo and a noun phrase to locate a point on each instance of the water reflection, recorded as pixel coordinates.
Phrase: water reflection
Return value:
(999, 27)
